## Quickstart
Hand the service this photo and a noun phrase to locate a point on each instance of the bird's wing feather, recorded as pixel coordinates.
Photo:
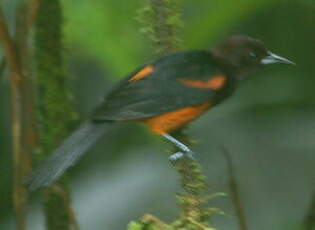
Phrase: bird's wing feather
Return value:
(160, 91)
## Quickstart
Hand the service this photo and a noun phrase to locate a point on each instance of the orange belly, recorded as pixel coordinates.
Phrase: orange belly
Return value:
(168, 122)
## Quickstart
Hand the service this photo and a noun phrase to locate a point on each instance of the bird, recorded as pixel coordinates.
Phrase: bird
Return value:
(165, 94)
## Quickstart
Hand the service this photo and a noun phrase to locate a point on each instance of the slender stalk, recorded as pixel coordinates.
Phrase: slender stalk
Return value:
(235, 195)
(164, 31)
(2, 68)
(28, 133)
(309, 220)
(164, 26)
(32, 8)
(161, 19)
(54, 107)
(16, 76)
(193, 200)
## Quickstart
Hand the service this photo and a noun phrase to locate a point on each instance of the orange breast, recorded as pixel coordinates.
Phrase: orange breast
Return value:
(168, 122)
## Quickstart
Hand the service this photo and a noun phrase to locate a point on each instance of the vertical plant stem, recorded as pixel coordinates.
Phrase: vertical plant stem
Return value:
(28, 134)
(161, 19)
(309, 221)
(2, 68)
(32, 8)
(193, 201)
(55, 112)
(16, 76)
(235, 195)
(164, 31)
(164, 26)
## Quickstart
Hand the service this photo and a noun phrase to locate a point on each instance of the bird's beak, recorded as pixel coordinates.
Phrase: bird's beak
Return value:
(273, 58)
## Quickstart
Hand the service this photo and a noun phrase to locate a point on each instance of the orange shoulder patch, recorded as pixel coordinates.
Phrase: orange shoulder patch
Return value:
(142, 73)
(215, 83)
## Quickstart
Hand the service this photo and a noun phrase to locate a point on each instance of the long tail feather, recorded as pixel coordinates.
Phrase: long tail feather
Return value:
(67, 154)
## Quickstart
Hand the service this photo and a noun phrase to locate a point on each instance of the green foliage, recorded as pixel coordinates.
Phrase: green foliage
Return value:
(149, 222)
(106, 31)
(133, 225)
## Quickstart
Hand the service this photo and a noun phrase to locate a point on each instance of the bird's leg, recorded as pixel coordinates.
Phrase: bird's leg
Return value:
(185, 151)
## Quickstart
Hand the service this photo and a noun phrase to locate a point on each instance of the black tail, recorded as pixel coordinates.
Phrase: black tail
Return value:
(67, 154)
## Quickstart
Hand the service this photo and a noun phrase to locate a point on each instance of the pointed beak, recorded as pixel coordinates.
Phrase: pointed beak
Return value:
(272, 58)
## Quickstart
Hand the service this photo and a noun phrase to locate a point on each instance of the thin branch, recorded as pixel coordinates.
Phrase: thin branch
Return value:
(234, 190)
(10, 51)
(54, 103)
(162, 22)
(73, 221)
(33, 6)
(161, 19)
(309, 221)
(193, 201)
(29, 134)
(19, 193)
(2, 67)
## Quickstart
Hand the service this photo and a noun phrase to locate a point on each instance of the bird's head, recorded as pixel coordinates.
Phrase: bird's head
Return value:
(243, 55)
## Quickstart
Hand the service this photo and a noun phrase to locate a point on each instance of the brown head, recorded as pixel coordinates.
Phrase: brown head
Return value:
(242, 55)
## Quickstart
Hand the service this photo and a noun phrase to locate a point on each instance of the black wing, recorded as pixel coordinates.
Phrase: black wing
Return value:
(160, 91)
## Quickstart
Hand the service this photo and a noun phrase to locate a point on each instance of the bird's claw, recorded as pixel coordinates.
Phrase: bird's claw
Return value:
(176, 156)
(181, 155)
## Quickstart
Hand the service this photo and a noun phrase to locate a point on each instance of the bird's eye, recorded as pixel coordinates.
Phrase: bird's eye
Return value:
(253, 55)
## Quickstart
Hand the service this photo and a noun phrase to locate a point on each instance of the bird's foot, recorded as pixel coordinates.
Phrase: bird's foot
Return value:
(174, 158)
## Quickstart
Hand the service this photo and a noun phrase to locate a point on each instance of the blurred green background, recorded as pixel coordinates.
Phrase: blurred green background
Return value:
(268, 126)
